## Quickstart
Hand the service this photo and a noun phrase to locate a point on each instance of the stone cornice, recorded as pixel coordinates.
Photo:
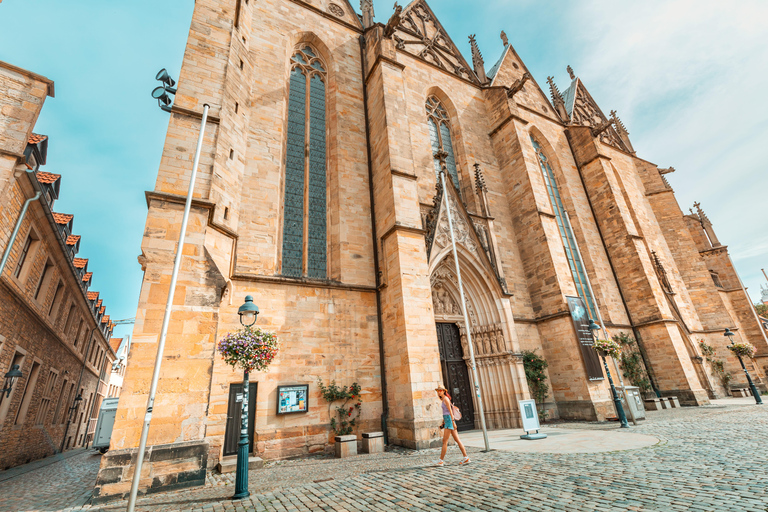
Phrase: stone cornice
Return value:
(401, 227)
(199, 203)
(329, 16)
(30, 74)
(304, 282)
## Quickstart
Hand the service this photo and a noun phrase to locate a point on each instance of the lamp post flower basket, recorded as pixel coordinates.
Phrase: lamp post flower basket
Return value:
(742, 349)
(250, 349)
(607, 348)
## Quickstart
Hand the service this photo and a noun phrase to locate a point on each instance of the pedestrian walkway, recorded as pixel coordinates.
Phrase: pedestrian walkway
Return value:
(55, 483)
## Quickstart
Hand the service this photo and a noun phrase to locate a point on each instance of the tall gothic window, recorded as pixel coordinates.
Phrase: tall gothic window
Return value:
(566, 231)
(440, 136)
(304, 222)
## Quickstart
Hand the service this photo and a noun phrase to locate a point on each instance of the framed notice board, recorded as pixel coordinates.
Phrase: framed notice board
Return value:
(580, 319)
(292, 399)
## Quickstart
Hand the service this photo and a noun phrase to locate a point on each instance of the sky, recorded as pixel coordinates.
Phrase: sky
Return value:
(682, 74)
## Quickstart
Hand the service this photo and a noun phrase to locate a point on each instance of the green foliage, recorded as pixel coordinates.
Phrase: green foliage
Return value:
(717, 365)
(345, 423)
(631, 364)
(762, 309)
(534, 366)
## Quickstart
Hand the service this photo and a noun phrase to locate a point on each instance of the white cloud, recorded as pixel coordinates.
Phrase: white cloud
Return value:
(687, 79)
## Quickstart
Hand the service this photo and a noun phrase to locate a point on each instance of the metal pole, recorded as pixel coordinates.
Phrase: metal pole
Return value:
(755, 392)
(464, 311)
(600, 319)
(616, 401)
(166, 318)
(16, 228)
(243, 447)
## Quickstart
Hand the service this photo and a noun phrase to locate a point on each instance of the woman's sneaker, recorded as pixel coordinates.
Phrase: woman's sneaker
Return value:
(465, 461)
(439, 462)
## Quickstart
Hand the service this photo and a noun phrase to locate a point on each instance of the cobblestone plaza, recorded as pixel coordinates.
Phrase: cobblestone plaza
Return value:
(707, 459)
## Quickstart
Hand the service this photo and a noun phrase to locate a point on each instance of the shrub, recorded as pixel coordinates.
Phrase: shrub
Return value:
(534, 366)
(631, 364)
(345, 423)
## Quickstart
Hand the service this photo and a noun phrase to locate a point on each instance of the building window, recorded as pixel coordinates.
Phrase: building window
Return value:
(440, 137)
(27, 250)
(29, 390)
(5, 402)
(45, 401)
(44, 279)
(566, 231)
(304, 213)
(716, 278)
(60, 403)
(56, 302)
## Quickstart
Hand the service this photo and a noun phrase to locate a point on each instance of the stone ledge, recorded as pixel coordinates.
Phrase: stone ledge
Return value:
(229, 464)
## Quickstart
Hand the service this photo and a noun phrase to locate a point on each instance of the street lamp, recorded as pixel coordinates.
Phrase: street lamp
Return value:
(161, 94)
(593, 327)
(248, 313)
(10, 379)
(755, 392)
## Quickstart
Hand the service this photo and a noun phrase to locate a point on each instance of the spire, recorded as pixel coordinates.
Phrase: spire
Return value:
(570, 72)
(477, 60)
(707, 225)
(504, 38)
(622, 131)
(482, 191)
(366, 6)
(557, 100)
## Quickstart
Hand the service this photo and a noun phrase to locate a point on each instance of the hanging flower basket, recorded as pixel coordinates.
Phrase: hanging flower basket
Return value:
(250, 349)
(743, 349)
(607, 348)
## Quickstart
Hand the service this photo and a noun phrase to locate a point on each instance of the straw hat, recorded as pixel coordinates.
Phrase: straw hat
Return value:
(440, 387)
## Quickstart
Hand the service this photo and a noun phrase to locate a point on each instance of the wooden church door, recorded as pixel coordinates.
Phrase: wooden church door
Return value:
(456, 373)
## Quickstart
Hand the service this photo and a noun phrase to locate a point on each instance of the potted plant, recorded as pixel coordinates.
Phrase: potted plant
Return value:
(742, 349)
(607, 348)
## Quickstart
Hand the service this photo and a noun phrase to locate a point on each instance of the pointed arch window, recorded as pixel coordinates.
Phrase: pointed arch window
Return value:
(566, 231)
(304, 214)
(440, 137)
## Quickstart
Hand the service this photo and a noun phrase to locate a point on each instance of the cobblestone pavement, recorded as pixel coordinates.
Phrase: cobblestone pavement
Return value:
(67, 483)
(709, 459)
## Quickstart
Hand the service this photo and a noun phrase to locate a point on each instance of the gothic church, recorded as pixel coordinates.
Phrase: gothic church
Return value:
(317, 195)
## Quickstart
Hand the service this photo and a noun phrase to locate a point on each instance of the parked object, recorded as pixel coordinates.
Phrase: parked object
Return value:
(635, 404)
(373, 442)
(104, 425)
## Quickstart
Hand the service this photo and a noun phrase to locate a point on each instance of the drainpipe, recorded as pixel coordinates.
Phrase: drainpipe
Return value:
(77, 389)
(16, 228)
(382, 365)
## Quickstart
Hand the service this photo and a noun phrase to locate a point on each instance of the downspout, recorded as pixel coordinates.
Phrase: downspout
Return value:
(16, 228)
(616, 278)
(384, 404)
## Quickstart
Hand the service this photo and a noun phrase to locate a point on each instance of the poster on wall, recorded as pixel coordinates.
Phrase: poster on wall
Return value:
(292, 399)
(580, 319)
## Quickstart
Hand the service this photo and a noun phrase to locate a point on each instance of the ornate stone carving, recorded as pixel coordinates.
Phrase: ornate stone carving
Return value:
(336, 10)
(394, 21)
(420, 34)
(443, 302)
(518, 85)
(586, 113)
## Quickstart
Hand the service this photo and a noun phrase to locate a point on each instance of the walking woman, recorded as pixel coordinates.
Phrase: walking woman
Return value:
(449, 424)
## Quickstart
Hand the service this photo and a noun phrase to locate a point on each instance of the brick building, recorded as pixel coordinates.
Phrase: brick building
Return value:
(317, 196)
(51, 326)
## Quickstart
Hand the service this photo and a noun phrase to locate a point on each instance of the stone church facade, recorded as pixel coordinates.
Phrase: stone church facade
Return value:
(317, 195)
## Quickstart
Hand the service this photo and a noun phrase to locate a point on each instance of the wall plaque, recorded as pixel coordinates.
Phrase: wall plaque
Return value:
(580, 319)
(292, 399)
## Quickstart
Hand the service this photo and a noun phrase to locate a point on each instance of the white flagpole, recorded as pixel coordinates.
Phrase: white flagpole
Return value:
(166, 319)
(464, 311)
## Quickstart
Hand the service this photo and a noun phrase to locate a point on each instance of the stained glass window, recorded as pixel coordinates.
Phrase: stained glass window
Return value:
(304, 212)
(566, 231)
(440, 137)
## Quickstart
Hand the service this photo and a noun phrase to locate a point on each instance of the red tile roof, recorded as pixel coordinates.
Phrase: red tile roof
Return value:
(115, 343)
(62, 218)
(73, 239)
(92, 295)
(80, 262)
(47, 177)
(105, 318)
(35, 138)
(86, 278)
(102, 307)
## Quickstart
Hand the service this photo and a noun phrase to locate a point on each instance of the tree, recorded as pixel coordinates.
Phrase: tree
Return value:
(762, 309)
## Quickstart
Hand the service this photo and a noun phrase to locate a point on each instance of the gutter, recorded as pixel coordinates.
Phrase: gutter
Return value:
(382, 365)
(16, 228)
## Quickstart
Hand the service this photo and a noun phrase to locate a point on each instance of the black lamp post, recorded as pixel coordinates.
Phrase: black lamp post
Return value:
(248, 313)
(593, 327)
(10, 378)
(755, 392)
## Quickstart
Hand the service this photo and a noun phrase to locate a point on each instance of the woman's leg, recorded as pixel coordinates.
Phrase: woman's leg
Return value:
(446, 437)
(458, 442)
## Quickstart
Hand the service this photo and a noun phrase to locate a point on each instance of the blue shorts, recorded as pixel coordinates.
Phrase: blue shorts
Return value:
(448, 422)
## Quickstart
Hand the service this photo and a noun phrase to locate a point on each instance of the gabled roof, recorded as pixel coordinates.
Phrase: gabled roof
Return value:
(495, 69)
(421, 35)
(105, 318)
(569, 96)
(93, 295)
(98, 304)
(73, 239)
(102, 307)
(79, 262)
(62, 218)
(36, 139)
(86, 278)
(47, 178)
(114, 343)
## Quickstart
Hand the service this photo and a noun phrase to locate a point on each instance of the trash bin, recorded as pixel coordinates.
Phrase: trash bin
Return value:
(635, 402)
